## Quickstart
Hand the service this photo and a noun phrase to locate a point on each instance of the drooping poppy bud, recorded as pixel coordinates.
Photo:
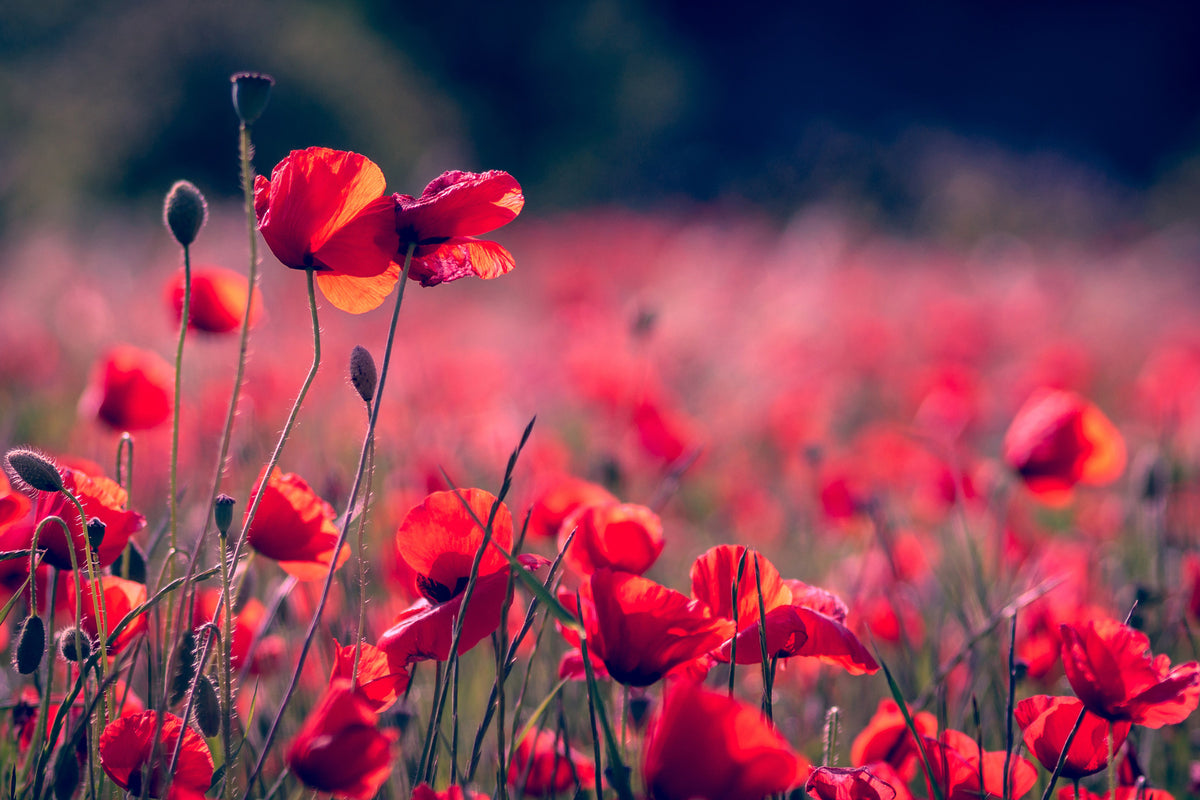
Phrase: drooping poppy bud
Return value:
(184, 212)
(95, 532)
(362, 373)
(31, 645)
(251, 93)
(206, 709)
(223, 513)
(33, 469)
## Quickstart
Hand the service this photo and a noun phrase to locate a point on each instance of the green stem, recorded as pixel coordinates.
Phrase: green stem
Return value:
(183, 326)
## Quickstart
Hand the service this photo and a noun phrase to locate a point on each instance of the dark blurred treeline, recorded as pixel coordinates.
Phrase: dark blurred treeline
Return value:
(1073, 115)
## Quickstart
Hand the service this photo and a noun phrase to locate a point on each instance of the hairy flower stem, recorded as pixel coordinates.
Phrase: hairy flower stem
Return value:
(362, 564)
(347, 517)
(183, 326)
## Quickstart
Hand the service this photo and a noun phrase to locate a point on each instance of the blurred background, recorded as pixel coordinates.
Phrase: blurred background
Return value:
(940, 118)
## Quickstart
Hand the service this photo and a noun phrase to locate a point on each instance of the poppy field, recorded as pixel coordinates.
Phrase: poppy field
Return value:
(363, 490)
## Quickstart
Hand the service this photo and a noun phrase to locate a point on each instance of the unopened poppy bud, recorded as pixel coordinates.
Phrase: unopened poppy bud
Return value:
(223, 513)
(31, 645)
(251, 92)
(362, 373)
(33, 469)
(74, 645)
(184, 212)
(95, 532)
(206, 708)
(185, 667)
(66, 773)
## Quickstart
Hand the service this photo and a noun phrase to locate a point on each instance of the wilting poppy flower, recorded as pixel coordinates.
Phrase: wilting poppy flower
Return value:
(707, 745)
(1059, 439)
(887, 739)
(957, 765)
(126, 745)
(379, 683)
(453, 792)
(130, 390)
(325, 210)
(1110, 668)
(218, 300)
(642, 630)
(455, 207)
(848, 783)
(339, 749)
(551, 767)
(621, 536)
(1047, 721)
(560, 498)
(119, 597)
(294, 527)
(101, 498)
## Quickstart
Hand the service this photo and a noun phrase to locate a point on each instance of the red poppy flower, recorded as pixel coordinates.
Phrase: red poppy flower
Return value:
(798, 631)
(325, 210)
(957, 764)
(1057, 440)
(1047, 721)
(294, 527)
(454, 792)
(245, 623)
(130, 390)
(560, 498)
(218, 300)
(119, 597)
(642, 630)
(848, 783)
(621, 536)
(379, 683)
(1110, 668)
(887, 739)
(339, 749)
(551, 767)
(101, 498)
(126, 745)
(455, 207)
(707, 745)
(714, 573)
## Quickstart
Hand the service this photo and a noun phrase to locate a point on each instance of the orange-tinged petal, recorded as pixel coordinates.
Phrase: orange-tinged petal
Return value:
(714, 573)
(460, 258)
(358, 295)
(1106, 462)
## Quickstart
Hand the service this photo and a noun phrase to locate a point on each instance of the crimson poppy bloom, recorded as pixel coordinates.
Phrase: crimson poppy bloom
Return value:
(130, 390)
(119, 597)
(245, 623)
(705, 744)
(887, 739)
(957, 765)
(1047, 721)
(551, 767)
(1109, 666)
(620, 536)
(455, 207)
(339, 749)
(1059, 439)
(559, 498)
(294, 527)
(325, 210)
(642, 630)
(848, 783)
(126, 745)
(218, 300)
(379, 683)
(101, 498)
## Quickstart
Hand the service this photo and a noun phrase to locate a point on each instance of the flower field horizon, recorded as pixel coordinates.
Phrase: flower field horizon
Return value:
(728, 491)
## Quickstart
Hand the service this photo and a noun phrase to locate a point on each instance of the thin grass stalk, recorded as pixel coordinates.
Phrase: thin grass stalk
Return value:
(501, 765)
(1009, 737)
(737, 582)
(767, 669)
(39, 727)
(909, 723)
(429, 742)
(1111, 772)
(592, 700)
(454, 662)
(346, 517)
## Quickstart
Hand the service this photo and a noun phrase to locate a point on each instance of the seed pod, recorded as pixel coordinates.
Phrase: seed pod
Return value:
(66, 773)
(206, 709)
(185, 667)
(33, 469)
(31, 645)
(184, 212)
(223, 513)
(362, 373)
(74, 645)
(251, 91)
(95, 532)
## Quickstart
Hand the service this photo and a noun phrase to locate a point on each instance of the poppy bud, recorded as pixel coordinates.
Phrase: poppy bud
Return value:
(362, 373)
(95, 532)
(206, 708)
(74, 645)
(34, 469)
(135, 569)
(223, 513)
(251, 91)
(185, 667)
(31, 645)
(66, 773)
(184, 212)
